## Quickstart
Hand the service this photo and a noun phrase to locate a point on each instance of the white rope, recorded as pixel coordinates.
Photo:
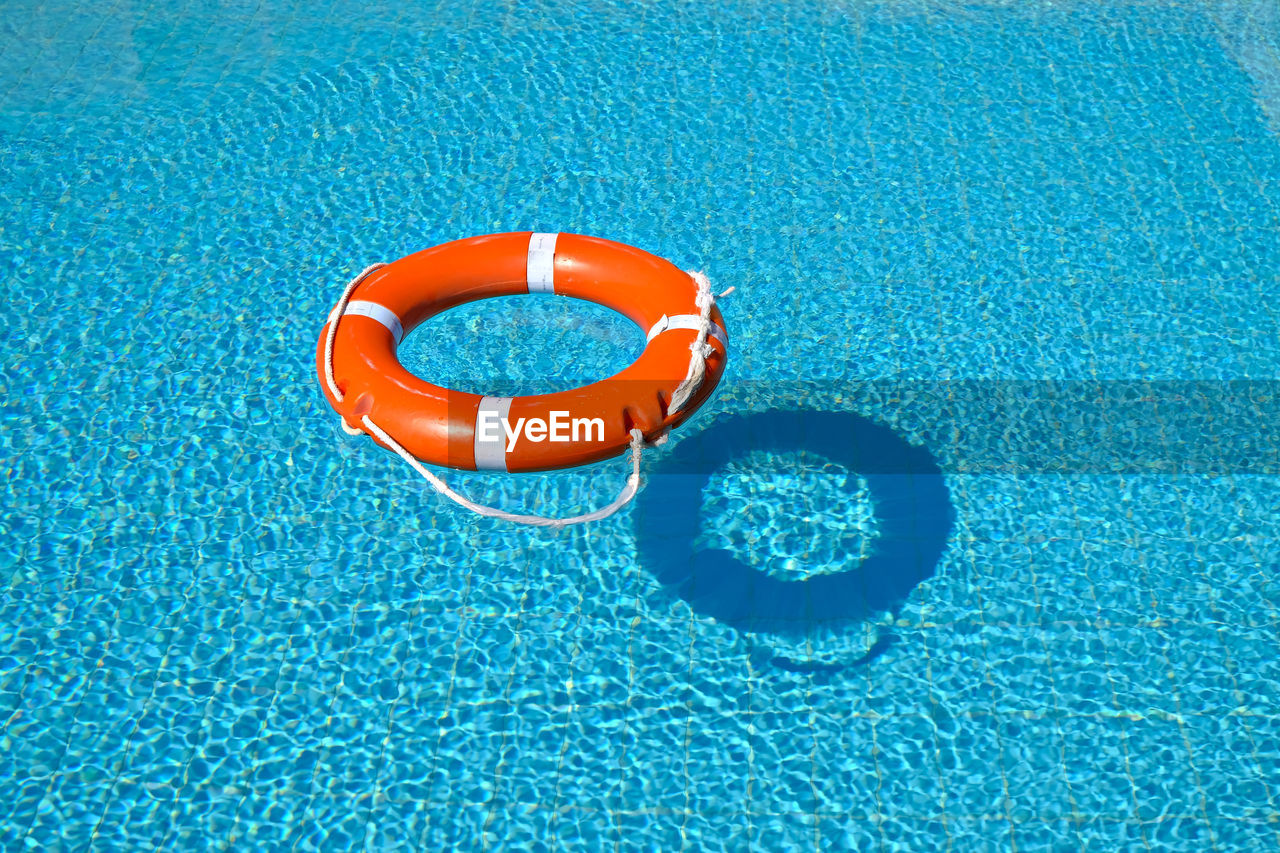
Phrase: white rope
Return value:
(333, 335)
(705, 300)
(624, 497)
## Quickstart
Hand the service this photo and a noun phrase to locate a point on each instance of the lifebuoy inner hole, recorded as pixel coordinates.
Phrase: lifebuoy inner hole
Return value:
(518, 345)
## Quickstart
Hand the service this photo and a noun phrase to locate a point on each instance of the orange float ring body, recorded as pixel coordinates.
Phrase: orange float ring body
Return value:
(439, 425)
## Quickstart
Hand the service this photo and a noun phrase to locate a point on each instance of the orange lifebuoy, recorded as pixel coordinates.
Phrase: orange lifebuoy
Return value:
(457, 429)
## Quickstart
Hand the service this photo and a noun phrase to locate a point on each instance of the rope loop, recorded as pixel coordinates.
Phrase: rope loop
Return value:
(624, 497)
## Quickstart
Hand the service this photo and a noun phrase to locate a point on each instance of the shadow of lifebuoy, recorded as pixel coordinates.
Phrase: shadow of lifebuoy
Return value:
(912, 507)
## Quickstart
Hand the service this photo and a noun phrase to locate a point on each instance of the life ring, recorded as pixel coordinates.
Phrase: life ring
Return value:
(468, 431)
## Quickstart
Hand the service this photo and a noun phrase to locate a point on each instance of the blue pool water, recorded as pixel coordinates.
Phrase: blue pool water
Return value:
(975, 548)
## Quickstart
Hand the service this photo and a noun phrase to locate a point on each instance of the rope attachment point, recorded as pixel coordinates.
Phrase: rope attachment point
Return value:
(705, 300)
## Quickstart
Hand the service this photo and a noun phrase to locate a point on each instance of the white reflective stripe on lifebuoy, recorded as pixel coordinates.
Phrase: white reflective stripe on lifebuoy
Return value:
(373, 310)
(491, 455)
(687, 321)
(540, 271)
